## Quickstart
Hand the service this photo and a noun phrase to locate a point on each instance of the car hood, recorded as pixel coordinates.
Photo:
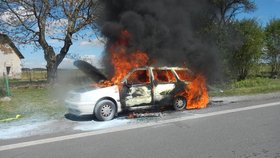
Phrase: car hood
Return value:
(95, 89)
(90, 70)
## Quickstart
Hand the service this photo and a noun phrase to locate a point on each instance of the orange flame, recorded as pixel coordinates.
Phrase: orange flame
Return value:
(164, 76)
(122, 61)
(196, 93)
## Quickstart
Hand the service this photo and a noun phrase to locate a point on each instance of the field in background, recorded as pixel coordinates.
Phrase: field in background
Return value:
(38, 78)
(34, 74)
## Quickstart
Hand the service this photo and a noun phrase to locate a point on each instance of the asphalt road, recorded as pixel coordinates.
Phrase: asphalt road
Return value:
(248, 129)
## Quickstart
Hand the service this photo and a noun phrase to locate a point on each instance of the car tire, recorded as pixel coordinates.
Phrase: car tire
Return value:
(179, 103)
(105, 110)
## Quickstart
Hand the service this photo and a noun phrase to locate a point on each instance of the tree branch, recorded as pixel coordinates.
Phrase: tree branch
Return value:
(17, 16)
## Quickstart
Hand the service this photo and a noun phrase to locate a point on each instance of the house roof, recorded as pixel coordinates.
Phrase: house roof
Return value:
(5, 39)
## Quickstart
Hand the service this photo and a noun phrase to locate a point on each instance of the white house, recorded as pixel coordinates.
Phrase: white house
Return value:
(10, 58)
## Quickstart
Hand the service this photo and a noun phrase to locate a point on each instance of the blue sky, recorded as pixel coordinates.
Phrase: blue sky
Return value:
(266, 10)
(34, 58)
(86, 46)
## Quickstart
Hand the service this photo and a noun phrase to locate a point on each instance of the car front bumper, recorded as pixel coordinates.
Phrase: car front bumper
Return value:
(79, 109)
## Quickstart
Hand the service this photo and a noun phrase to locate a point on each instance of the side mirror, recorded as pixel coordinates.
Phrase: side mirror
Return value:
(124, 81)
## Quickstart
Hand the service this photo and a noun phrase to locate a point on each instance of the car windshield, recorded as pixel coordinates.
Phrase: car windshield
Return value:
(184, 75)
(139, 77)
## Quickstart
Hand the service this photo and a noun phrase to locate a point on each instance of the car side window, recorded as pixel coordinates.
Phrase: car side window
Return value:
(184, 75)
(139, 77)
(164, 76)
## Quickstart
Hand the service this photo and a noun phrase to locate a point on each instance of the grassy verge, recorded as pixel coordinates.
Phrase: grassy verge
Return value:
(33, 101)
(34, 97)
(249, 86)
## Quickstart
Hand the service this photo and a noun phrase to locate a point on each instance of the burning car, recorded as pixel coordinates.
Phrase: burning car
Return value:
(143, 87)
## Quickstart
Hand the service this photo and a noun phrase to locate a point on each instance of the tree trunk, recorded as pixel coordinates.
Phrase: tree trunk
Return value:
(51, 71)
(241, 77)
(273, 71)
(50, 57)
(242, 74)
(54, 60)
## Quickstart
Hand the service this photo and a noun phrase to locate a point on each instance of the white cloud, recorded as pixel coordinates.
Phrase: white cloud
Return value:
(56, 27)
(10, 18)
(6, 16)
(27, 63)
(92, 59)
(95, 42)
(67, 63)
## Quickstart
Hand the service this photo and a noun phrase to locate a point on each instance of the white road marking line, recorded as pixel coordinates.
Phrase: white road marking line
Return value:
(129, 127)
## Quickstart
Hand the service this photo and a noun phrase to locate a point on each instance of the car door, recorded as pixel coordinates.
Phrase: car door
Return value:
(137, 89)
(164, 85)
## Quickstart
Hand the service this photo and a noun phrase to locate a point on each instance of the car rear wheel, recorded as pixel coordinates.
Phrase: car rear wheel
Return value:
(179, 103)
(105, 110)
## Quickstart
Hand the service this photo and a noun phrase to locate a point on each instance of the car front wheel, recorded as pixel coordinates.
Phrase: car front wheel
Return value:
(179, 103)
(105, 110)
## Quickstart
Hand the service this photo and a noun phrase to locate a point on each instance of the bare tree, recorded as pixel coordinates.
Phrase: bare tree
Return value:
(226, 10)
(43, 21)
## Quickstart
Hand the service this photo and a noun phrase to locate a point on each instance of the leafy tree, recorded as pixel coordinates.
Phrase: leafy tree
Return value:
(272, 33)
(223, 30)
(42, 22)
(248, 55)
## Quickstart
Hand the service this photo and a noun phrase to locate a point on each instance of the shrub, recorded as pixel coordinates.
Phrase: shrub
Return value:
(251, 83)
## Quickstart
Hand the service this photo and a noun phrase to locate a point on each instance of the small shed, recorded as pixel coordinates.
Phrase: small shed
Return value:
(10, 58)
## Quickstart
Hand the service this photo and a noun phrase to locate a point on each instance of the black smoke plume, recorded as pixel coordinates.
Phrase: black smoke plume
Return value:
(171, 32)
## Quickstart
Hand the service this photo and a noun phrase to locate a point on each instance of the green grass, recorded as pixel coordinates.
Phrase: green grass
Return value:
(33, 96)
(33, 101)
(249, 86)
